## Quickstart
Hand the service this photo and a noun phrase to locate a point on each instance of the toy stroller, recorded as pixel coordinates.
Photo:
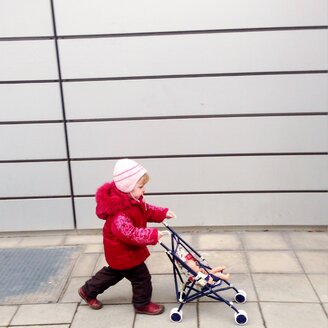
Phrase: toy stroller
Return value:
(194, 285)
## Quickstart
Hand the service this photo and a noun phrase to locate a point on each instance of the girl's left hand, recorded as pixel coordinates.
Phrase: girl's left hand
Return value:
(170, 215)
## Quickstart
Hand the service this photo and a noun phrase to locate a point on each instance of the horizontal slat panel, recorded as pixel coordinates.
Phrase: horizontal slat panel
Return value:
(34, 179)
(36, 214)
(228, 210)
(25, 18)
(32, 141)
(214, 174)
(194, 54)
(30, 102)
(28, 60)
(201, 96)
(199, 136)
(105, 16)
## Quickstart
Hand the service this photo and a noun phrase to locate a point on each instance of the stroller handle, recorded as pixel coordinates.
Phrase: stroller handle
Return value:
(175, 235)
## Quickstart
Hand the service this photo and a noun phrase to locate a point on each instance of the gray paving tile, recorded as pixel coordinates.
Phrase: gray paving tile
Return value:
(44, 314)
(264, 240)
(70, 294)
(300, 315)
(284, 288)
(113, 316)
(94, 248)
(39, 241)
(235, 261)
(83, 239)
(9, 242)
(189, 318)
(314, 261)
(273, 262)
(325, 306)
(101, 262)
(85, 265)
(159, 263)
(240, 281)
(6, 314)
(320, 284)
(47, 326)
(220, 315)
(163, 288)
(217, 241)
(158, 247)
(308, 240)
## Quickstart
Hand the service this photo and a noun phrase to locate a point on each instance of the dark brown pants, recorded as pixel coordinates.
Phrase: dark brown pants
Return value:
(139, 277)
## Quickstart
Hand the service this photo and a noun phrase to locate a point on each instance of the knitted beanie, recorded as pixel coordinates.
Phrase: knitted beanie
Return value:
(126, 174)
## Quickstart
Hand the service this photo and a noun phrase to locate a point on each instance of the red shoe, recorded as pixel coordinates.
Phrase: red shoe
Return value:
(151, 309)
(92, 302)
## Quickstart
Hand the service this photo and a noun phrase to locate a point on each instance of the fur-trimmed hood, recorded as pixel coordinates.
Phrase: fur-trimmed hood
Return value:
(111, 201)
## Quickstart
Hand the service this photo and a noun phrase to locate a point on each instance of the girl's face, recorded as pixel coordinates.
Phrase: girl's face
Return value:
(139, 189)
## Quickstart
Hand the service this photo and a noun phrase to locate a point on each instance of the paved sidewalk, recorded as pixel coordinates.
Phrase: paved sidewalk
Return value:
(285, 275)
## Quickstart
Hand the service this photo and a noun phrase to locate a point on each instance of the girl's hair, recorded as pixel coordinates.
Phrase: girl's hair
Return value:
(145, 178)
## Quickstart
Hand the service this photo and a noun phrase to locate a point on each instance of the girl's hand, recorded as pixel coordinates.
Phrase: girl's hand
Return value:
(163, 233)
(160, 235)
(170, 215)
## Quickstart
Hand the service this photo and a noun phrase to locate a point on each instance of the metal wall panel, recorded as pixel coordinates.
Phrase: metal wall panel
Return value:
(229, 95)
(109, 16)
(214, 174)
(224, 102)
(32, 141)
(28, 60)
(36, 214)
(20, 18)
(194, 54)
(34, 179)
(30, 102)
(228, 210)
(211, 136)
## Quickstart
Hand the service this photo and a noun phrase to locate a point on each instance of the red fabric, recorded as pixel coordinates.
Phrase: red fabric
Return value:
(125, 232)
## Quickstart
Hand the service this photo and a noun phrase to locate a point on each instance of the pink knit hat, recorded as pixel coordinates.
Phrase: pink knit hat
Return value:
(127, 173)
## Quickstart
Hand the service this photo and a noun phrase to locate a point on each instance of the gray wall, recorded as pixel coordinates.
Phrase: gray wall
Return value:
(223, 101)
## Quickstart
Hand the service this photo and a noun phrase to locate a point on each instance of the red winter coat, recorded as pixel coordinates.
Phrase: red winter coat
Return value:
(125, 234)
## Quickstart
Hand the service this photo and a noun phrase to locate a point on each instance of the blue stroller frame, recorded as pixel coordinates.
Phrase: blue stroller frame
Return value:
(191, 289)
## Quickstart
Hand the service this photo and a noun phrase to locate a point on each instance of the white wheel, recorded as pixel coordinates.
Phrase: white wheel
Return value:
(175, 315)
(241, 317)
(241, 297)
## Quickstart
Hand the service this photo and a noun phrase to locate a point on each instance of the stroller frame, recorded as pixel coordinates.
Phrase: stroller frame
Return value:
(189, 290)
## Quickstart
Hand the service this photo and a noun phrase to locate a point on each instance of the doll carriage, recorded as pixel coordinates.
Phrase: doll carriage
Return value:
(191, 285)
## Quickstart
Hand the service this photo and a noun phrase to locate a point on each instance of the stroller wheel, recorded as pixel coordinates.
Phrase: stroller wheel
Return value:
(176, 316)
(241, 297)
(241, 317)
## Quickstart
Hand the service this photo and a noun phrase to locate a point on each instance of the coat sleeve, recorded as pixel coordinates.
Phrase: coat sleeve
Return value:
(125, 231)
(155, 213)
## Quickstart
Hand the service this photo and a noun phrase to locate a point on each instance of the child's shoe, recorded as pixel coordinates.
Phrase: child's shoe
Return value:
(151, 309)
(92, 302)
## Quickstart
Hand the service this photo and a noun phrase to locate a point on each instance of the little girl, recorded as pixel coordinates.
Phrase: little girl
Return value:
(126, 236)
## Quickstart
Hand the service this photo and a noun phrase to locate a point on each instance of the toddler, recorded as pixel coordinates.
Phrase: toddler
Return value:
(126, 236)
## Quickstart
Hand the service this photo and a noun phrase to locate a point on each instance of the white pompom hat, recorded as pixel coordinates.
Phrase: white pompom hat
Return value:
(126, 174)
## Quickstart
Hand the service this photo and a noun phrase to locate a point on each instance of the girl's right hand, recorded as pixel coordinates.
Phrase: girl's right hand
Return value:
(162, 234)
